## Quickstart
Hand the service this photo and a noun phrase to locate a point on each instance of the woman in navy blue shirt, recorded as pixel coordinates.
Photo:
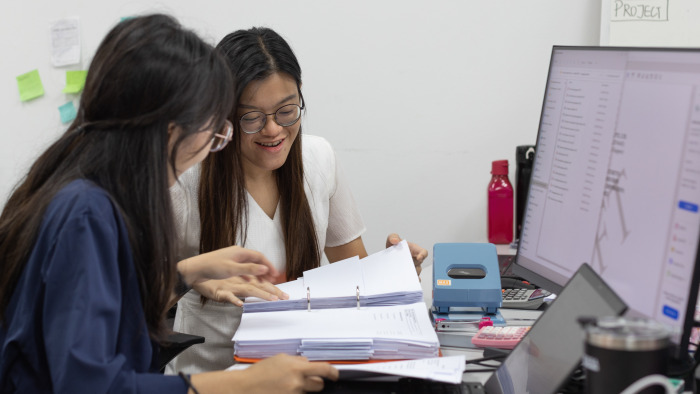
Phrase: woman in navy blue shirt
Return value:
(87, 239)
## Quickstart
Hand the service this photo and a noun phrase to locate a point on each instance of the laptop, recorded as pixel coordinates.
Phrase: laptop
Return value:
(505, 264)
(544, 359)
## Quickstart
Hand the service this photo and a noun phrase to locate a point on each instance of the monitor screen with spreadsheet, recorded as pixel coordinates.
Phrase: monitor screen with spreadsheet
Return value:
(616, 179)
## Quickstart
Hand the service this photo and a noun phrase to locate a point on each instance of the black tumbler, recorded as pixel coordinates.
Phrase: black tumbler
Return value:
(620, 351)
(524, 156)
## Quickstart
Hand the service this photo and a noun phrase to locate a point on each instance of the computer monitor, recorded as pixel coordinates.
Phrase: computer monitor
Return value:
(616, 179)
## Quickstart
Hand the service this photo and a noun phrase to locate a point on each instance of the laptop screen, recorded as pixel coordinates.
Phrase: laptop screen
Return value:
(544, 359)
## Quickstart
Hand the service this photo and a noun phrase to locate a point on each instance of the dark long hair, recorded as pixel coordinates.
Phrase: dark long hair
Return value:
(147, 74)
(254, 55)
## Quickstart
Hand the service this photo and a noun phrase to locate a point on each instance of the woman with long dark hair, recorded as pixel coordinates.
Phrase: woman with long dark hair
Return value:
(87, 240)
(272, 189)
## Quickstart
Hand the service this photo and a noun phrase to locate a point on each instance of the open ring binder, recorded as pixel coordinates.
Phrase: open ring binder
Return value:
(390, 322)
(333, 284)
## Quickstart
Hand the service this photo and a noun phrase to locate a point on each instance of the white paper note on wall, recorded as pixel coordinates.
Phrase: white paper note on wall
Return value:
(65, 42)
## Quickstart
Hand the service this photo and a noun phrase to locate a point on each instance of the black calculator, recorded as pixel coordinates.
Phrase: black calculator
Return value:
(523, 298)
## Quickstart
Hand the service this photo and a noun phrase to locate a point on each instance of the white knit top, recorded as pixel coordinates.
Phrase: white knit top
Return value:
(337, 222)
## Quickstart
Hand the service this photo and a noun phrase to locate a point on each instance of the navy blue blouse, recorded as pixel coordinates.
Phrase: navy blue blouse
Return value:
(75, 322)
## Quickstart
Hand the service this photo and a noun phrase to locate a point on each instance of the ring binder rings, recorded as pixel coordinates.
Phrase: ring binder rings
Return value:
(308, 297)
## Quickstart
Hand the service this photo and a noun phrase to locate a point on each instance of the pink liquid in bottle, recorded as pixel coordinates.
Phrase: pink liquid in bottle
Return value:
(500, 204)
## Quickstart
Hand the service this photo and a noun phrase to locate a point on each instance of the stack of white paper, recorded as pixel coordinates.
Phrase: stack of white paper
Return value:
(379, 333)
(382, 279)
(443, 369)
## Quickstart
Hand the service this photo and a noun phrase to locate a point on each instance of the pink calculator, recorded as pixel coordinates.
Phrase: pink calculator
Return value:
(502, 337)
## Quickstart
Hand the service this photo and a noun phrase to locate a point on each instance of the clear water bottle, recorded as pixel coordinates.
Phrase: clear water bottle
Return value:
(500, 204)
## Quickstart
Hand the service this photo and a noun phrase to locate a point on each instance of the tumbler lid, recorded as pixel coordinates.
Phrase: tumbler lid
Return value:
(627, 334)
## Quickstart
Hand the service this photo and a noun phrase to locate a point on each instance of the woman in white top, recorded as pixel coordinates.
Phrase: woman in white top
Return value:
(271, 190)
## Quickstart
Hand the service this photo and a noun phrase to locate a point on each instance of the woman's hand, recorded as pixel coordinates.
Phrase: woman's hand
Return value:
(283, 374)
(287, 374)
(225, 263)
(419, 254)
(236, 287)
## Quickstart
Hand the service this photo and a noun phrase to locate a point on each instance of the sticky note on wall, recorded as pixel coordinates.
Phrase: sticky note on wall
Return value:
(75, 81)
(67, 111)
(30, 86)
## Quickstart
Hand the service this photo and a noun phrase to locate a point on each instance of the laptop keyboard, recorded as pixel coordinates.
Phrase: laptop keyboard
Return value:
(420, 386)
(404, 385)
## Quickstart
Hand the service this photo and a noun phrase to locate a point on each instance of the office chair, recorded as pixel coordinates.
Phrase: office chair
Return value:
(175, 343)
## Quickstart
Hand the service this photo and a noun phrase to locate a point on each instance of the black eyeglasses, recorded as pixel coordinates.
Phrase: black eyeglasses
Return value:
(219, 140)
(254, 121)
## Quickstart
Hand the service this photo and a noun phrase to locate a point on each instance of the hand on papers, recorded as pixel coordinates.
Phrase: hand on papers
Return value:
(419, 254)
(230, 289)
(287, 374)
(279, 374)
(224, 263)
(448, 369)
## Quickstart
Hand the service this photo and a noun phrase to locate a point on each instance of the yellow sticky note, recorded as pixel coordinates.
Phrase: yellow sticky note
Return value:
(75, 81)
(30, 86)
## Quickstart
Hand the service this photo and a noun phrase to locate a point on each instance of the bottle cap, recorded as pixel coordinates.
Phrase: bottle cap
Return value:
(499, 167)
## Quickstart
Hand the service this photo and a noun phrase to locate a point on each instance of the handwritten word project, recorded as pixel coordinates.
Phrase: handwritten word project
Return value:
(639, 10)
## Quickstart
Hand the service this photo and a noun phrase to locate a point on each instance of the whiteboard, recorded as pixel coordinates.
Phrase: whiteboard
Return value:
(437, 89)
(658, 23)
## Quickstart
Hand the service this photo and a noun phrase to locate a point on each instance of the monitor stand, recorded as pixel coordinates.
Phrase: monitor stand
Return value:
(683, 368)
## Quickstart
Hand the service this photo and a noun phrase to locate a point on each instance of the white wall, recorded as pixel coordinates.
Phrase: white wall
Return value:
(417, 97)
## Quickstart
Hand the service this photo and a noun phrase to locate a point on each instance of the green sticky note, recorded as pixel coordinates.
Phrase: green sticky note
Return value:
(68, 112)
(75, 81)
(30, 86)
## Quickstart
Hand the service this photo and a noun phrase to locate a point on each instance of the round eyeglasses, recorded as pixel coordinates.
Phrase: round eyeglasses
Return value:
(222, 138)
(254, 121)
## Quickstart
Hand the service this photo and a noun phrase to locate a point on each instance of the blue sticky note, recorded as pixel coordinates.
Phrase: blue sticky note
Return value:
(68, 112)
